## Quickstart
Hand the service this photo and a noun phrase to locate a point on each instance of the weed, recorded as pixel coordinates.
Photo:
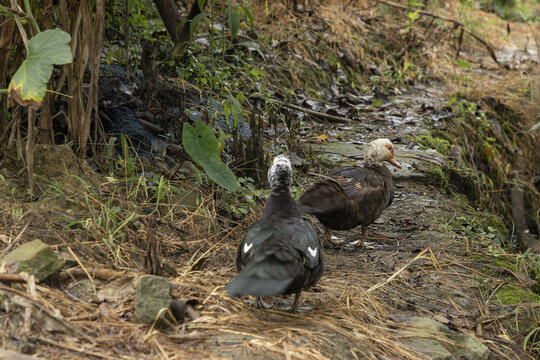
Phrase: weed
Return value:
(243, 203)
(16, 212)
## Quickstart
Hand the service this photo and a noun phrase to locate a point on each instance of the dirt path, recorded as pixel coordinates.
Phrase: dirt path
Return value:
(443, 301)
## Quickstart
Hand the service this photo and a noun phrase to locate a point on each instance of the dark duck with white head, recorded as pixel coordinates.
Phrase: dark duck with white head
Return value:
(354, 195)
(281, 253)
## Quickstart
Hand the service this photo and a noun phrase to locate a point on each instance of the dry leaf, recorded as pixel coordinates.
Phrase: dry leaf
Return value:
(120, 288)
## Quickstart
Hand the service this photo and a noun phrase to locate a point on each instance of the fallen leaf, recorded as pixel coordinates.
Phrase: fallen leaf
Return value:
(120, 288)
(322, 138)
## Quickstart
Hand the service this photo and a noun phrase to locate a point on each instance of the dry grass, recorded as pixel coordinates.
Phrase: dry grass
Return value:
(346, 320)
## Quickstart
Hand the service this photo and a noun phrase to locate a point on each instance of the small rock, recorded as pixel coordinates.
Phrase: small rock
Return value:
(472, 349)
(153, 294)
(28, 348)
(422, 338)
(36, 258)
(178, 308)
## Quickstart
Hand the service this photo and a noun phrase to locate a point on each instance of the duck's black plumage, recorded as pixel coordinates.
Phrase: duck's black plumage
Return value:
(352, 195)
(281, 253)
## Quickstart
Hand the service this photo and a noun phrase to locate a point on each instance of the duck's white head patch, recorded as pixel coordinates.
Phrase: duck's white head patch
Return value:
(380, 150)
(280, 173)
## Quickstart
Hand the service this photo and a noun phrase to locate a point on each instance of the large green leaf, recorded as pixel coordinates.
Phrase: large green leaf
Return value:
(29, 83)
(201, 144)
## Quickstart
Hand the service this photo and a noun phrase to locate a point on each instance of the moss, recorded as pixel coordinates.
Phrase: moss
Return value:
(463, 201)
(509, 295)
(436, 140)
(503, 264)
(438, 177)
(498, 225)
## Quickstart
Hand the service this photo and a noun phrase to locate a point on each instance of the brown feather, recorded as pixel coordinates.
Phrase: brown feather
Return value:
(354, 196)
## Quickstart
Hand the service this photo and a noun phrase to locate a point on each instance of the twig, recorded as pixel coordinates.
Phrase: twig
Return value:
(101, 274)
(30, 151)
(72, 348)
(444, 18)
(8, 248)
(83, 268)
(381, 284)
(13, 278)
(313, 112)
(307, 111)
(22, 32)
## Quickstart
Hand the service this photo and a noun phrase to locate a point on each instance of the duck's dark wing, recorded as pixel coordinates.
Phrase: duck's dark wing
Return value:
(356, 195)
(323, 197)
(259, 232)
(278, 256)
(307, 242)
(303, 237)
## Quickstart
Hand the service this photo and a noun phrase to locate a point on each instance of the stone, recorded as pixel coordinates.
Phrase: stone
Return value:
(472, 349)
(153, 293)
(36, 258)
(425, 331)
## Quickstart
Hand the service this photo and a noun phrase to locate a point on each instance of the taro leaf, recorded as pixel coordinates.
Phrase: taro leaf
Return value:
(201, 144)
(29, 83)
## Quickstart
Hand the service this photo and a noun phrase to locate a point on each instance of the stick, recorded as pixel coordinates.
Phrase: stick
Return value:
(101, 274)
(12, 278)
(307, 111)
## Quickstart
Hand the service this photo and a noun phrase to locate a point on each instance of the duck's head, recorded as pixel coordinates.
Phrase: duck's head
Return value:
(380, 150)
(280, 173)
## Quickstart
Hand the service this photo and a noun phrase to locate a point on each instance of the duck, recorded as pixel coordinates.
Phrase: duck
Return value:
(281, 253)
(353, 195)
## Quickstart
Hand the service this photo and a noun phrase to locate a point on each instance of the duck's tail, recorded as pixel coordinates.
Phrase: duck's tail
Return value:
(269, 273)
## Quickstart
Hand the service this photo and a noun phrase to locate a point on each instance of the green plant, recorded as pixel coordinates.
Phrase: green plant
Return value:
(532, 338)
(243, 202)
(222, 70)
(201, 144)
(16, 212)
(103, 218)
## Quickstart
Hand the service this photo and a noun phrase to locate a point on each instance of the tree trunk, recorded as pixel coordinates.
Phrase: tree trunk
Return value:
(172, 19)
(170, 16)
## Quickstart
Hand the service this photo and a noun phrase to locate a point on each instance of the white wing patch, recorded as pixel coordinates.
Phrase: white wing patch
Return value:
(312, 252)
(247, 247)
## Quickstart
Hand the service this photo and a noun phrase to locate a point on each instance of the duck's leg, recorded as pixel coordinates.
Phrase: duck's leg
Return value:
(260, 304)
(294, 308)
(363, 236)
(328, 238)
